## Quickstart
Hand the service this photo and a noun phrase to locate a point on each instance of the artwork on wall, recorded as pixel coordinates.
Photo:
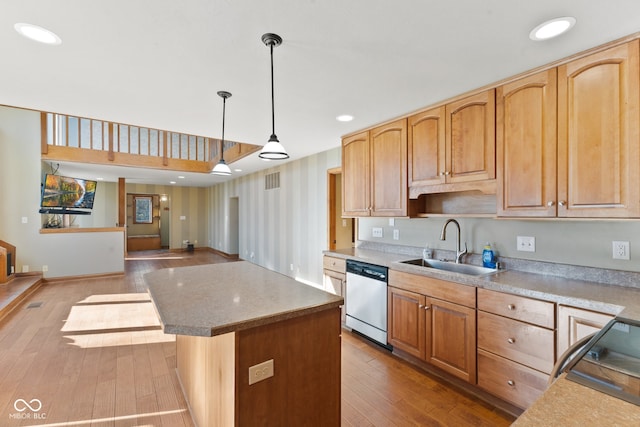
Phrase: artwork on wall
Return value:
(143, 209)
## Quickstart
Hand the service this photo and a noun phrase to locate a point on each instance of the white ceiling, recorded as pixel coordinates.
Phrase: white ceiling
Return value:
(159, 63)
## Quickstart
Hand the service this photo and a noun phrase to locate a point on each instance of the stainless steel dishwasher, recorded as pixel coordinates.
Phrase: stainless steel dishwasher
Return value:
(366, 300)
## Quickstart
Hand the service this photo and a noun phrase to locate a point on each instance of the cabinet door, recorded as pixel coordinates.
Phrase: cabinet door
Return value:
(426, 139)
(389, 169)
(334, 283)
(471, 138)
(526, 146)
(451, 338)
(406, 321)
(598, 137)
(355, 175)
(575, 323)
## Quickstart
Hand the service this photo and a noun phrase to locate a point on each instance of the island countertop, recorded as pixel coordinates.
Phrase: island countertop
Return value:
(214, 299)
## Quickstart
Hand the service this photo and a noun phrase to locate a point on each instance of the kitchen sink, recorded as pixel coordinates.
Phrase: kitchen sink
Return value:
(468, 269)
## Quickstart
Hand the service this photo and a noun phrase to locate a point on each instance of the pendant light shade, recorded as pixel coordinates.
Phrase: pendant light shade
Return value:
(272, 150)
(222, 168)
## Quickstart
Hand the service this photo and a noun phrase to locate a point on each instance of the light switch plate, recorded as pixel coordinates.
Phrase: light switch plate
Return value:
(526, 243)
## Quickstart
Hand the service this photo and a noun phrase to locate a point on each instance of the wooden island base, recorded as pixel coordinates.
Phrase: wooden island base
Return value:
(305, 387)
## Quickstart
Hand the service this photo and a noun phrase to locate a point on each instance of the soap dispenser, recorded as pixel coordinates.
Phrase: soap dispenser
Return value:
(488, 257)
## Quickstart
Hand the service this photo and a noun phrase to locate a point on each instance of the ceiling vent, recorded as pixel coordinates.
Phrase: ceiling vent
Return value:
(272, 181)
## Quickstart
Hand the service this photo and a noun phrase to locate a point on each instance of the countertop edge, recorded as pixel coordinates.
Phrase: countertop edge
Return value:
(507, 281)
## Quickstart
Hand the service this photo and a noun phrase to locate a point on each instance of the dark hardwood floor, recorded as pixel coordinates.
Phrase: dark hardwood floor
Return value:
(91, 353)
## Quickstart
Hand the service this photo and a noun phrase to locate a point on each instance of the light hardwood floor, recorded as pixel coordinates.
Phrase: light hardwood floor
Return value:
(92, 353)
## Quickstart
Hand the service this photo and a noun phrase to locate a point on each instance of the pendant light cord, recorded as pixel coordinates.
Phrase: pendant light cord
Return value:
(224, 107)
(273, 113)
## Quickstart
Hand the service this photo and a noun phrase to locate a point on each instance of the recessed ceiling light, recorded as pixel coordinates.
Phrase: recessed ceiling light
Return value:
(552, 28)
(180, 177)
(237, 170)
(172, 182)
(99, 179)
(36, 33)
(344, 118)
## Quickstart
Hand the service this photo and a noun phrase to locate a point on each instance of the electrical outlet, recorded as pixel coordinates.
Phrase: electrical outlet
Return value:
(261, 371)
(396, 234)
(45, 268)
(25, 268)
(376, 231)
(620, 250)
(526, 243)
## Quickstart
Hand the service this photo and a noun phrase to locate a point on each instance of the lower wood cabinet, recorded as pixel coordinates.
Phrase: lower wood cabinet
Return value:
(576, 323)
(516, 346)
(439, 332)
(334, 280)
(508, 380)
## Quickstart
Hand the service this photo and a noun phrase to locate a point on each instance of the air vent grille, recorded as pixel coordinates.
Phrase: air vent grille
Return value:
(272, 181)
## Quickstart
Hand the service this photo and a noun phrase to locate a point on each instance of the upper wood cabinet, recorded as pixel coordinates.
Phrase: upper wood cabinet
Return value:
(526, 145)
(426, 141)
(598, 134)
(356, 197)
(453, 144)
(568, 139)
(374, 169)
(471, 138)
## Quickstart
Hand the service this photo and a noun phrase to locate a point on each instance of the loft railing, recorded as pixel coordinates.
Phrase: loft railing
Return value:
(96, 141)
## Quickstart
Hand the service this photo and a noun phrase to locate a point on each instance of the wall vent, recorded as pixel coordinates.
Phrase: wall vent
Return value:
(37, 304)
(272, 181)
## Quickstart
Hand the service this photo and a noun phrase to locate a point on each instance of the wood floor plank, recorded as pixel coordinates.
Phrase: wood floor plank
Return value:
(93, 354)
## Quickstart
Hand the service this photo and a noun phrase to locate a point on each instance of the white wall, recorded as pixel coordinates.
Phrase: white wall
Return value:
(73, 254)
(278, 228)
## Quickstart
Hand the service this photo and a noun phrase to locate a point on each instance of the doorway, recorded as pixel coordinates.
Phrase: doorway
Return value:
(341, 233)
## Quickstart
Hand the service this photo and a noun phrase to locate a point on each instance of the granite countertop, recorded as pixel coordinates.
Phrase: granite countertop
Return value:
(623, 301)
(566, 403)
(214, 299)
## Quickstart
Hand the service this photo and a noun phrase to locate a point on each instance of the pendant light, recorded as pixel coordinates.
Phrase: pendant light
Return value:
(221, 168)
(272, 150)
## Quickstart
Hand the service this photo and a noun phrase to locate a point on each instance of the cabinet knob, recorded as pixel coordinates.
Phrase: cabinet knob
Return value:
(426, 307)
(511, 341)
(447, 173)
(511, 383)
(511, 307)
(551, 203)
(562, 203)
(420, 306)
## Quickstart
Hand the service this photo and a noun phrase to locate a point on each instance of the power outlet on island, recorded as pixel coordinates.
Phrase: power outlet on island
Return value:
(376, 231)
(261, 371)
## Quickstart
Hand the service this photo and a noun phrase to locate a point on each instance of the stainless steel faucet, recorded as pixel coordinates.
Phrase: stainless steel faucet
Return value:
(443, 236)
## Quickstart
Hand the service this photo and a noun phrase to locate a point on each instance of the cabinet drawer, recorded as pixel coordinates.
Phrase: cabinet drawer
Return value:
(510, 381)
(523, 343)
(541, 313)
(335, 264)
(440, 289)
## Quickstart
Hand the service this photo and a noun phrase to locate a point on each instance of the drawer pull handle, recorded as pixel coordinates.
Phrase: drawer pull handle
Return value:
(511, 307)
(511, 341)
(511, 383)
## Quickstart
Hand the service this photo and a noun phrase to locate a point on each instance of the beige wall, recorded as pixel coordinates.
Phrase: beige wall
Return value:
(579, 242)
(192, 203)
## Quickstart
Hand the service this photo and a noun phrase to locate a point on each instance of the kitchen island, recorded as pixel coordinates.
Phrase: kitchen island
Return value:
(253, 347)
